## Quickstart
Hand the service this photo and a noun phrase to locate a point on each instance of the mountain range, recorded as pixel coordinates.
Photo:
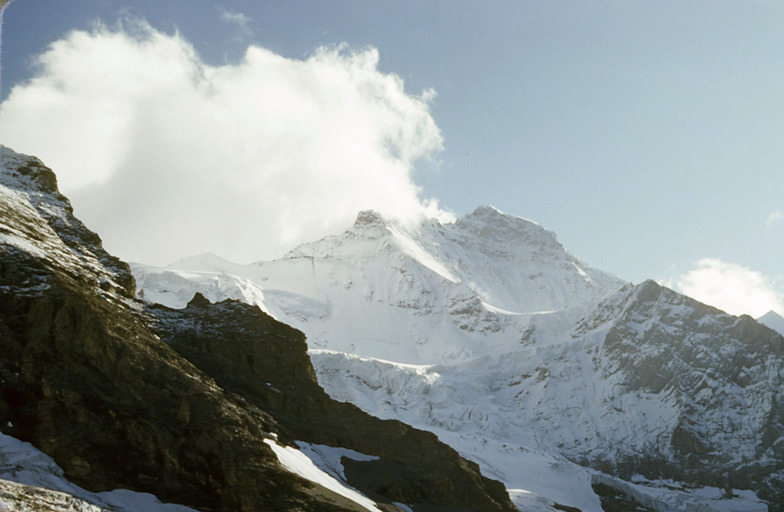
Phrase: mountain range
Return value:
(107, 403)
(542, 369)
(574, 389)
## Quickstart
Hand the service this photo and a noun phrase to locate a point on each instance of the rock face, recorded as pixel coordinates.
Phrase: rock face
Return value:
(27, 497)
(722, 375)
(181, 404)
(271, 374)
(490, 334)
(649, 386)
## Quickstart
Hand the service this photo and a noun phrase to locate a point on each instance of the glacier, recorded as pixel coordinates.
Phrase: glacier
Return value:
(552, 375)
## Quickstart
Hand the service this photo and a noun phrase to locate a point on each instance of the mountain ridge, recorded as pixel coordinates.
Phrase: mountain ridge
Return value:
(489, 333)
(121, 395)
(433, 284)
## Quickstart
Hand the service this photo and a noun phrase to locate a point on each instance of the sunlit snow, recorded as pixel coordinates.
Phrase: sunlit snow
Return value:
(298, 463)
(485, 332)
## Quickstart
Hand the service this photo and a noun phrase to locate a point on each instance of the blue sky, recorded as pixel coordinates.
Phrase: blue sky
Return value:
(647, 135)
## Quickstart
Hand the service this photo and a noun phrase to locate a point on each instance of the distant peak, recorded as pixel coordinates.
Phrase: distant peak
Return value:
(771, 315)
(773, 320)
(369, 218)
(203, 261)
(649, 290)
(490, 223)
(488, 214)
(487, 210)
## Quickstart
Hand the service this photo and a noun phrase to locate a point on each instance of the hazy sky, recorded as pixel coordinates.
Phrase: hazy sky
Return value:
(649, 136)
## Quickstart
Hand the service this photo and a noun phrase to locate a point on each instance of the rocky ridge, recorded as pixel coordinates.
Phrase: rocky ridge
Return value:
(187, 404)
(16, 496)
(541, 369)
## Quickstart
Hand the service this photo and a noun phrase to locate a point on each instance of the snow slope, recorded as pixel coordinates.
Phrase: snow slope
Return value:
(434, 294)
(548, 373)
(526, 416)
(773, 320)
(37, 220)
(306, 464)
(33, 479)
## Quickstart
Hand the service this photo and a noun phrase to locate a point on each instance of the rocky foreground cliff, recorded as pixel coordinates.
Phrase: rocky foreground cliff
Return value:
(191, 405)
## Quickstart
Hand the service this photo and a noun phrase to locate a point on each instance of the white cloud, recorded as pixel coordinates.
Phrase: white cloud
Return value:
(238, 19)
(773, 218)
(165, 156)
(732, 288)
(235, 17)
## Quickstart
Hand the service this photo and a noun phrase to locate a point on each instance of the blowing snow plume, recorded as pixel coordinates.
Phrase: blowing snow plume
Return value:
(168, 156)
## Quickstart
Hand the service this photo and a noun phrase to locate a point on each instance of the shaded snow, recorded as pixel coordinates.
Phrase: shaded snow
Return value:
(329, 459)
(669, 496)
(489, 334)
(176, 288)
(434, 294)
(300, 464)
(773, 320)
(22, 463)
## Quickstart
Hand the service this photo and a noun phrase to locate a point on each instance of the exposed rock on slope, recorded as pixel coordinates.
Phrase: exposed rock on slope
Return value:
(411, 466)
(488, 333)
(723, 376)
(86, 379)
(27, 497)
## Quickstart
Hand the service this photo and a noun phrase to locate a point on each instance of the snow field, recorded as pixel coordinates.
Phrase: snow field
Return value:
(299, 463)
(489, 334)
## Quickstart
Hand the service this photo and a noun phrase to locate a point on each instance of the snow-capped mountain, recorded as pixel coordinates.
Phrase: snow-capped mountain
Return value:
(650, 384)
(773, 320)
(429, 294)
(557, 378)
(210, 407)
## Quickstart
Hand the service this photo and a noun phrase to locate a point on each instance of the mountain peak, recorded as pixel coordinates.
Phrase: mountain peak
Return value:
(489, 222)
(369, 218)
(30, 169)
(487, 210)
(489, 213)
(41, 225)
(773, 320)
(489, 231)
(153, 380)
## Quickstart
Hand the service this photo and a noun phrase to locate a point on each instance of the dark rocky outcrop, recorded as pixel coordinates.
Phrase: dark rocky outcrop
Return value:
(272, 374)
(179, 403)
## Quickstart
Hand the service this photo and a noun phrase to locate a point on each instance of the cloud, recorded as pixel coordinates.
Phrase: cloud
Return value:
(732, 288)
(166, 156)
(239, 20)
(773, 218)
